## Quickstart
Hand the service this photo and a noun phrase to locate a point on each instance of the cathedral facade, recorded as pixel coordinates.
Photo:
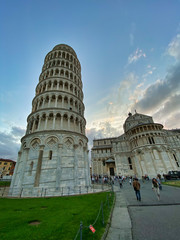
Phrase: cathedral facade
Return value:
(145, 148)
(54, 151)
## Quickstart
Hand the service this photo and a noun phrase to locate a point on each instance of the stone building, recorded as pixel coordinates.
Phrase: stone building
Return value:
(6, 167)
(54, 152)
(144, 148)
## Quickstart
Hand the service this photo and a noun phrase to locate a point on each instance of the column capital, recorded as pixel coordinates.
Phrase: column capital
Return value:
(27, 148)
(75, 146)
(41, 147)
(60, 145)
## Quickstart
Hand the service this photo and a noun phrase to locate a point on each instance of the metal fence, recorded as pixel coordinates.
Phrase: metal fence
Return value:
(100, 215)
(25, 192)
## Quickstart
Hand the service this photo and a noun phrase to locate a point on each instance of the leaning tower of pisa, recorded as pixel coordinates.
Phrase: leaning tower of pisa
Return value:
(53, 154)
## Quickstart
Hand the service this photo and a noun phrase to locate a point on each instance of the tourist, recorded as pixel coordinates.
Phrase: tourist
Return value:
(137, 186)
(155, 187)
(120, 182)
(159, 181)
(130, 181)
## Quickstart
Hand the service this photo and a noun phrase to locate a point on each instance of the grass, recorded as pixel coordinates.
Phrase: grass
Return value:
(4, 184)
(59, 217)
(172, 183)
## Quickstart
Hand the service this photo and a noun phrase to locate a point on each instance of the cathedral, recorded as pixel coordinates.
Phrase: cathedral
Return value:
(54, 154)
(145, 148)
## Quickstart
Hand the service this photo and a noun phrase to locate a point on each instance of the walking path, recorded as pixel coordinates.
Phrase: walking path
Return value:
(121, 222)
(149, 219)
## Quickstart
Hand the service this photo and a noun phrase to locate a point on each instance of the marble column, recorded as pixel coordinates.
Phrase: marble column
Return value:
(39, 164)
(76, 177)
(22, 172)
(58, 167)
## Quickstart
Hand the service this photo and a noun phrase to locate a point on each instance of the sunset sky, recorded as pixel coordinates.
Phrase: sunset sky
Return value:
(129, 53)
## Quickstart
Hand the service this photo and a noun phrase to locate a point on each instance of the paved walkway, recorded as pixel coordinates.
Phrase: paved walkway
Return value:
(149, 219)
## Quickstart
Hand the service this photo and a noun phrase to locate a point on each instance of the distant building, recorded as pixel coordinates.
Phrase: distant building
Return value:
(6, 167)
(144, 148)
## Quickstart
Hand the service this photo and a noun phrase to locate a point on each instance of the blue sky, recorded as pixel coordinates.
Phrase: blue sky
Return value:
(129, 53)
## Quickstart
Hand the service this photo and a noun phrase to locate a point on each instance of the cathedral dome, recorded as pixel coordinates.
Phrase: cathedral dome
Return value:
(135, 120)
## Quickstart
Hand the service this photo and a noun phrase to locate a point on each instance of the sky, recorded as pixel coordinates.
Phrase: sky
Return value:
(129, 53)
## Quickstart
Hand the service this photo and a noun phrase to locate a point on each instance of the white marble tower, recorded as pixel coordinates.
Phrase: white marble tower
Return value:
(54, 152)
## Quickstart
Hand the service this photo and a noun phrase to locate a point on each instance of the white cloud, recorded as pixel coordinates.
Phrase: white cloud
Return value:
(159, 91)
(136, 56)
(174, 47)
(10, 143)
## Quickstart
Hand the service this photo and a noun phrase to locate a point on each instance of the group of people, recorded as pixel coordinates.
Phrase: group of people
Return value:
(156, 187)
(156, 183)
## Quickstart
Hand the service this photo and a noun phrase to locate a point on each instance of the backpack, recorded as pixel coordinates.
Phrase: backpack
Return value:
(155, 184)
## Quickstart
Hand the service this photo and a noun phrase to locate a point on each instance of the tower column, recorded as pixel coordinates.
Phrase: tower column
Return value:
(58, 167)
(45, 127)
(61, 123)
(33, 127)
(25, 159)
(39, 124)
(43, 103)
(56, 100)
(54, 121)
(38, 169)
(58, 85)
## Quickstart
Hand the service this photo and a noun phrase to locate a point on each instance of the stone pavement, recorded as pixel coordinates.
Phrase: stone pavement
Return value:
(121, 222)
(149, 219)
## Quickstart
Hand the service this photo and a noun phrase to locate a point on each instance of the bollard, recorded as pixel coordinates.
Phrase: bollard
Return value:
(81, 227)
(102, 213)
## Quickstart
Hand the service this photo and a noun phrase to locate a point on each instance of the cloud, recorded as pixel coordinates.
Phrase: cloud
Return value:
(167, 112)
(159, 91)
(169, 107)
(17, 131)
(136, 56)
(10, 143)
(172, 121)
(102, 130)
(174, 47)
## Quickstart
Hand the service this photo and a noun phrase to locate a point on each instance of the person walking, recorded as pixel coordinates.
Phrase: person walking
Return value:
(159, 181)
(136, 186)
(120, 182)
(155, 187)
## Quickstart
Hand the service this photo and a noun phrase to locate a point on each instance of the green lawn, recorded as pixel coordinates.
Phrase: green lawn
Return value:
(59, 217)
(172, 183)
(3, 183)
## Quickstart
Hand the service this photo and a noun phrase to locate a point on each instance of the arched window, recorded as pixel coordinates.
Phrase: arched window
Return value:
(62, 73)
(50, 154)
(57, 71)
(67, 74)
(130, 163)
